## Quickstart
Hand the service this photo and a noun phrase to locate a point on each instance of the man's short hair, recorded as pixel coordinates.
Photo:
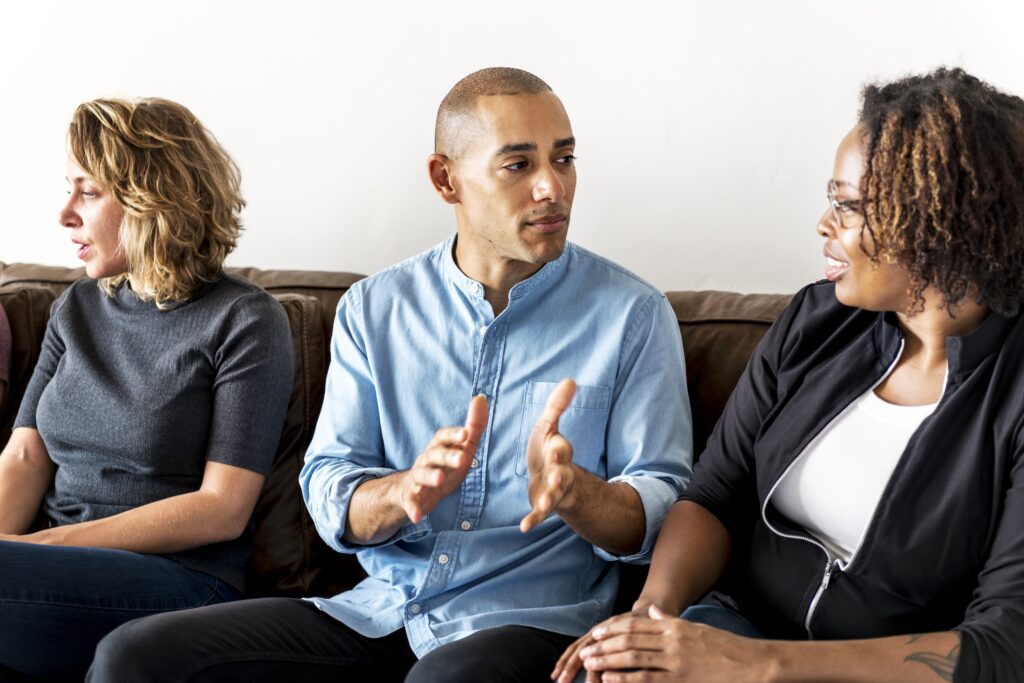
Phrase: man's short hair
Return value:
(497, 80)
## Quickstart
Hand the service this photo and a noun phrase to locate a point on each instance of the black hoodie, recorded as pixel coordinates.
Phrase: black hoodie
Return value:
(945, 547)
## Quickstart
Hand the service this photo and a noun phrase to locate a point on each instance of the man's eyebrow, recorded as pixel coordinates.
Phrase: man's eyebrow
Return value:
(532, 146)
(517, 147)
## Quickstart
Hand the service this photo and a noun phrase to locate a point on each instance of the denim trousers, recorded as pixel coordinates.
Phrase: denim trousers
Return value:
(56, 603)
(722, 618)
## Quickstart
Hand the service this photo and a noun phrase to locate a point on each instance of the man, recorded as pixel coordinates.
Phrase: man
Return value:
(487, 544)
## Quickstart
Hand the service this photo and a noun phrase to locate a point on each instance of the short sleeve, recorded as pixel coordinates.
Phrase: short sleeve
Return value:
(49, 358)
(252, 381)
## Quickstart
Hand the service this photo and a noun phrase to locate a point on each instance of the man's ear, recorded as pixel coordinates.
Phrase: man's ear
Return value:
(439, 168)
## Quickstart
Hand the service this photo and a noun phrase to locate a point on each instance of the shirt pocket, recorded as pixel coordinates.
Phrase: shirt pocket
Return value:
(583, 424)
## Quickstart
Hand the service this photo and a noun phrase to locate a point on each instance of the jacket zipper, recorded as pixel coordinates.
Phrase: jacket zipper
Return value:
(830, 562)
(874, 513)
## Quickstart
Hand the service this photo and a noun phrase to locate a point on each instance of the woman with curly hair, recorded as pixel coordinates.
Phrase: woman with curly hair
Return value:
(865, 484)
(152, 417)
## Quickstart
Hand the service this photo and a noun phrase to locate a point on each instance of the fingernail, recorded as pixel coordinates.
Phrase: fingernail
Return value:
(586, 652)
(599, 632)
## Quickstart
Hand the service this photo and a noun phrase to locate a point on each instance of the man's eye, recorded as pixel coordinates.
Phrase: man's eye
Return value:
(515, 166)
(567, 160)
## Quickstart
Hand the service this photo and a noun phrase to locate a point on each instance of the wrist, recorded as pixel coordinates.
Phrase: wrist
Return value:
(666, 605)
(769, 654)
(571, 498)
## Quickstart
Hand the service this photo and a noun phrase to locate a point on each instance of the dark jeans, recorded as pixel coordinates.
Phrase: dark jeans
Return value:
(56, 603)
(285, 639)
(723, 618)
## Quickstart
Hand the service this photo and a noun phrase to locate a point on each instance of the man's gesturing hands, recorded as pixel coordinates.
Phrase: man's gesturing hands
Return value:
(442, 467)
(549, 459)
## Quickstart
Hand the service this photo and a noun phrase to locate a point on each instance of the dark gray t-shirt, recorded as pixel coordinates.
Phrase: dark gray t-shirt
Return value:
(132, 401)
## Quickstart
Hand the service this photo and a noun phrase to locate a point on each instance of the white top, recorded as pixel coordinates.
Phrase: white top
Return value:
(833, 490)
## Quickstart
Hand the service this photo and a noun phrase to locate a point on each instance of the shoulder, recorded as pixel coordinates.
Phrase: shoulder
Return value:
(604, 274)
(816, 304)
(400, 279)
(242, 305)
(239, 295)
(617, 288)
(84, 294)
(816, 324)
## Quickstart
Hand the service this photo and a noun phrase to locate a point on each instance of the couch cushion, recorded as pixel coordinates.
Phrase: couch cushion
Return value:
(720, 331)
(288, 557)
(28, 310)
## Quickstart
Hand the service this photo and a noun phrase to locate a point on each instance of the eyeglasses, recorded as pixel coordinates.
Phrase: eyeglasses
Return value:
(845, 212)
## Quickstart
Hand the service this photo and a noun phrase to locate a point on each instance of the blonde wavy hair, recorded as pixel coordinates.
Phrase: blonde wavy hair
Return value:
(179, 189)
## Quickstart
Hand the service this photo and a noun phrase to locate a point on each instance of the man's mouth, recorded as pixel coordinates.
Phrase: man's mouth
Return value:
(552, 223)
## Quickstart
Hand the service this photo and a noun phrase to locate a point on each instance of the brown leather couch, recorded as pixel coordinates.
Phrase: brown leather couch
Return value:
(719, 331)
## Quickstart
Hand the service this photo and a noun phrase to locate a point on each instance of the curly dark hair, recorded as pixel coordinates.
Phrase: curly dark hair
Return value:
(944, 186)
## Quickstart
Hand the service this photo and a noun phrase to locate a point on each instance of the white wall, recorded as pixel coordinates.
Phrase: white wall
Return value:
(705, 130)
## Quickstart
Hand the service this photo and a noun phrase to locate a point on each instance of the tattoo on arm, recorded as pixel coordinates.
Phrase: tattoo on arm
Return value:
(942, 665)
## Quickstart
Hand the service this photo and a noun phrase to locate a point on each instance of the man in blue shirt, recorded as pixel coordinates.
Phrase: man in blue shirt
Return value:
(489, 545)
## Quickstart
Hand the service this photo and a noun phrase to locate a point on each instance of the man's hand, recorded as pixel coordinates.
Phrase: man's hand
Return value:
(549, 459)
(442, 467)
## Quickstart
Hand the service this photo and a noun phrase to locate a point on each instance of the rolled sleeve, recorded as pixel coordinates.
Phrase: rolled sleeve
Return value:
(347, 447)
(657, 497)
(650, 432)
(328, 487)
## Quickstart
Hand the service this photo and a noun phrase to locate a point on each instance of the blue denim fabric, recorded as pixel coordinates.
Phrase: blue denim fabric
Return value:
(723, 618)
(56, 603)
(412, 344)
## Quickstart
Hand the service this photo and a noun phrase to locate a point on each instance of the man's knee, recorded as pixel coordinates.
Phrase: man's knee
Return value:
(136, 651)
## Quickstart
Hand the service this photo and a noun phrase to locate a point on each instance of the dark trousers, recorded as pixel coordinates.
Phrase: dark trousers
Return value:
(57, 602)
(279, 639)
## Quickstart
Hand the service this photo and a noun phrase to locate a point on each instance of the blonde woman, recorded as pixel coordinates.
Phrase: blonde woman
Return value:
(153, 414)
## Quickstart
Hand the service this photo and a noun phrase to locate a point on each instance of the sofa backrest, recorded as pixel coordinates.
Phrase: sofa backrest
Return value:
(719, 332)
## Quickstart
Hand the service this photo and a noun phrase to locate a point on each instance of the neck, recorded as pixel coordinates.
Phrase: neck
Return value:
(926, 332)
(497, 274)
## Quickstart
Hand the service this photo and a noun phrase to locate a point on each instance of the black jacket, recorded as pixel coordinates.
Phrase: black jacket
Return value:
(945, 547)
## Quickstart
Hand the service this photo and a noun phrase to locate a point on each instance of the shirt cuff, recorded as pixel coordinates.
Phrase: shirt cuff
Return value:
(657, 497)
(341, 499)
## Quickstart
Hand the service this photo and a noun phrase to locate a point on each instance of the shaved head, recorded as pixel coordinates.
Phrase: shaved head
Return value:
(456, 110)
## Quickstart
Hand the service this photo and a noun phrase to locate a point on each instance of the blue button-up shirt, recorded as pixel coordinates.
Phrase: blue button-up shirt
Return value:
(412, 344)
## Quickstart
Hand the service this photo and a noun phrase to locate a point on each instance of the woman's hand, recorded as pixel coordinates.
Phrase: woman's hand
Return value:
(657, 647)
(570, 662)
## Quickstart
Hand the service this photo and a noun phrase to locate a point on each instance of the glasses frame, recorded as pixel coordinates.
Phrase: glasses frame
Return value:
(842, 206)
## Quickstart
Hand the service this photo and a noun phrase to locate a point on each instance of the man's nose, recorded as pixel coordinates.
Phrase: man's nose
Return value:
(548, 185)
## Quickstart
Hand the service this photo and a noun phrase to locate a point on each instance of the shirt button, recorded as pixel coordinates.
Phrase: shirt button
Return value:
(442, 559)
(475, 463)
(465, 526)
(415, 609)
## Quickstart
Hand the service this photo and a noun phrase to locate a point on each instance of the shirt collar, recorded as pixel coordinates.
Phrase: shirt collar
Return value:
(475, 289)
(964, 353)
